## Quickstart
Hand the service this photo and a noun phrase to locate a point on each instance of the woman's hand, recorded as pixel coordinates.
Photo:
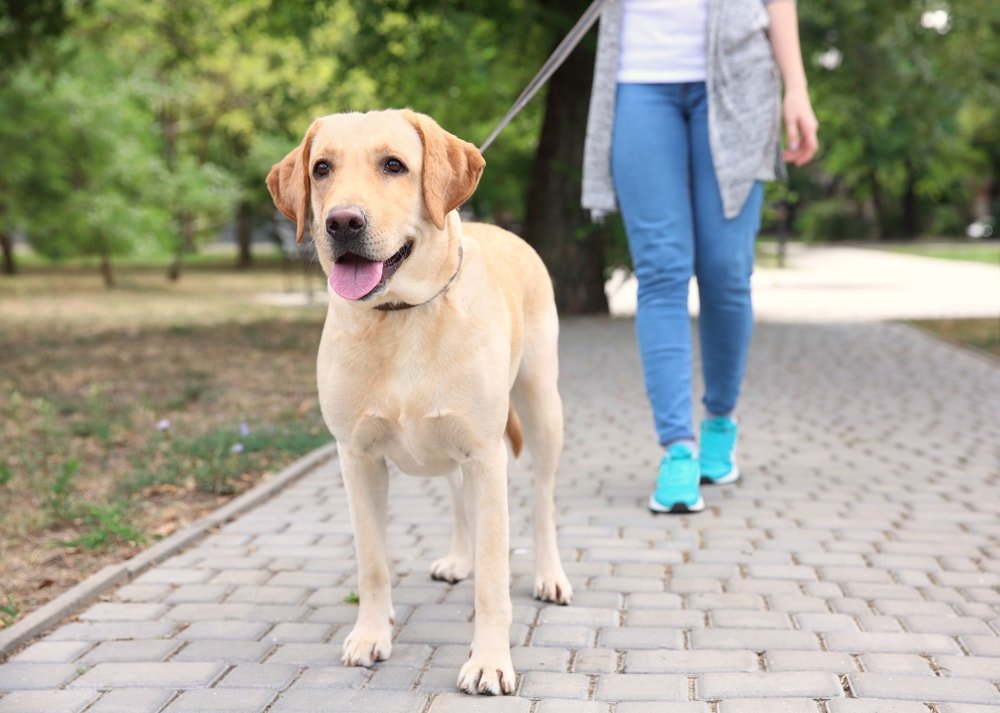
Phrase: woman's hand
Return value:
(800, 128)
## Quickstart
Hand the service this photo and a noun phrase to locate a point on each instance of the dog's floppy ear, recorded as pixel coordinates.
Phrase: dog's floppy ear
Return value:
(288, 182)
(452, 168)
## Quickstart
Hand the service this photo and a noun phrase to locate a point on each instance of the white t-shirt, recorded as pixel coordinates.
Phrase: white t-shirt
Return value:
(663, 41)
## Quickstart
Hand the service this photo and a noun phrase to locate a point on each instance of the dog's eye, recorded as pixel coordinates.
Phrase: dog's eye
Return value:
(320, 169)
(394, 165)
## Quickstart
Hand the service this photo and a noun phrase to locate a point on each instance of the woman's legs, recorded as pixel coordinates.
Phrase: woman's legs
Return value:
(724, 253)
(650, 169)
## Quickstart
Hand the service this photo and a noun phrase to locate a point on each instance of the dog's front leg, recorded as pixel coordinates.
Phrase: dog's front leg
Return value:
(366, 480)
(489, 668)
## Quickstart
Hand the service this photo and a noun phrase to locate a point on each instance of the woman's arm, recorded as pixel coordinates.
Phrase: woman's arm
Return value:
(800, 121)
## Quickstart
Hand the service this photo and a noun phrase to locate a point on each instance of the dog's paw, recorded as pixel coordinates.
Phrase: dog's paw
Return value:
(487, 675)
(365, 646)
(553, 588)
(451, 569)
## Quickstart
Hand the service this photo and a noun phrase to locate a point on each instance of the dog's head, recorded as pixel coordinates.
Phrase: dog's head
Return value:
(375, 191)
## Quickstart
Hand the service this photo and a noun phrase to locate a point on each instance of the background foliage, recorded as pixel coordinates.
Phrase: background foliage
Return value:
(146, 126)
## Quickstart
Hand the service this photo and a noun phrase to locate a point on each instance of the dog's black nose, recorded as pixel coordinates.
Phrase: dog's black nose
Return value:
(345, 223)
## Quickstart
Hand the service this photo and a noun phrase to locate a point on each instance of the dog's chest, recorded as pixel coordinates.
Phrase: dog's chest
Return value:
(424, 407)
(420, 444)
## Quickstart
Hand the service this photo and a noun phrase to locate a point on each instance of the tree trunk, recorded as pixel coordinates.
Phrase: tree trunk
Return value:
(187, 245)
(106, 271)
(244, 234)
(911, 211)
(881, 219)
(555, 224)
(9, 267)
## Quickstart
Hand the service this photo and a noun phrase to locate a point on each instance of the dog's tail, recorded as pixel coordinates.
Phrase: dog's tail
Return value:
(514, 433)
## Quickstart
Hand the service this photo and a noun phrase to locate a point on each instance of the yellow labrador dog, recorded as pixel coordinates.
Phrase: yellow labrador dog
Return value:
(439, 338)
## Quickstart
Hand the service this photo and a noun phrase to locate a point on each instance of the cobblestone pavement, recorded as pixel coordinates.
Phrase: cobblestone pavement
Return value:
(854, 569)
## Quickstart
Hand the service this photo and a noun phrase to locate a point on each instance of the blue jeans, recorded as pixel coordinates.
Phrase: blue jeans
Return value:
(670, 202)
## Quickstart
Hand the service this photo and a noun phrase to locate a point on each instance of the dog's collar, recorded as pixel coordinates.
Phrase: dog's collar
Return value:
(399, 306)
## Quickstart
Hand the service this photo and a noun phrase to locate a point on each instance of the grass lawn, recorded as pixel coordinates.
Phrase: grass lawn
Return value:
(126, 414)
(982, 334)
(988, 252)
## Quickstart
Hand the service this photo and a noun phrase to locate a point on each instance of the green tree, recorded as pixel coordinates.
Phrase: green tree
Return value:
(890, 109)
(26, 29)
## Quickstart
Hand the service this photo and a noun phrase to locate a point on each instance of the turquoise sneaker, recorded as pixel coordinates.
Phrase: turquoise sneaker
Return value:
(677, 488)
(718, 451)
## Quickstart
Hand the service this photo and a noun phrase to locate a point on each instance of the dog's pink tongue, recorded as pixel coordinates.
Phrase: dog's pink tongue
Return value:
(354, 277)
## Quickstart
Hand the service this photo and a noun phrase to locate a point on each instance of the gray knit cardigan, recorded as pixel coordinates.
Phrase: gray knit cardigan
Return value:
(744, 104)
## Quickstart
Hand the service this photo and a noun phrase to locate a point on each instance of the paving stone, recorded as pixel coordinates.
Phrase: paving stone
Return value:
(169, 674)
(749, 619)
(319, 700)
(303, 633)
(754, 640)
(897, 663)
(969, 667)
(132, 700)
(555, 705)
(48, 701)
(862, 642)
(462, 703)
(228, 651)
(561, 635)
(111, 630)
(880, 624)
(165, 575)
(439, 680)
(725, 600)
(269, 595)
(273, 676)
(306, 654)
(654, 600)
(52, 652)
(20, 676)
(135, 650)
(333, 677)
(676, 618)
(689, 707)
(951, 625)
(219, 630)
(529, 658)
(641, 637)
(823, 623)
(198, 593)
(641, 687)
(809, 661)
(582, 616)
(394, 678)
(799, 684)
(546, 684)
(924, 688)
(690, 662)
(142, 592)
(595, 661)
(222, 700)
(873, 705)
(769, 705)
(982, 645)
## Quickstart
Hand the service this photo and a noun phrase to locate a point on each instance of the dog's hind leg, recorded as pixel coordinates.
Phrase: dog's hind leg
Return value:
(457, 564)
(366, 480)
(536, 397)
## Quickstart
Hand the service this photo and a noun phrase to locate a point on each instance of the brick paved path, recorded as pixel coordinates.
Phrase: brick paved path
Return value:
(855, 568)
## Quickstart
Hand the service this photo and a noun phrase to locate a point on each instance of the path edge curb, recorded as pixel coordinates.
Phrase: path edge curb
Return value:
(73, 599)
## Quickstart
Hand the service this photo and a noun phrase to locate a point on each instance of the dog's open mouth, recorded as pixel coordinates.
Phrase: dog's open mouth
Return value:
(354, 277)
